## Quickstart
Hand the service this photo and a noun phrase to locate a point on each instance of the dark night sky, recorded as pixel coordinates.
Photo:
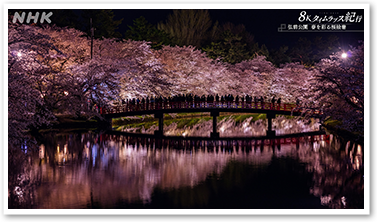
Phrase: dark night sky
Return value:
(262, 23)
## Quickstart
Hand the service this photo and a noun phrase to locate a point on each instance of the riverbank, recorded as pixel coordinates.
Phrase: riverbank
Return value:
(78, 123)
(332, 126)
(181, 119)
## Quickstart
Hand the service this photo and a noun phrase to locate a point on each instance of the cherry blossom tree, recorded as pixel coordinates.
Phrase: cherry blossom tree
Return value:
(191, 71)
(256, 75)
(26, 107)
(340, 87)
(59, 76)
(142, 73)
(118, 69)
(55, 64)
(289, 82)
(74, 80)
(293, 81)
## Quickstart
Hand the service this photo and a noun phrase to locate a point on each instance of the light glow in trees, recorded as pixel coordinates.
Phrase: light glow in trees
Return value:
(191, 71)
(54, 66)
(293, 81)
(26, 107)
(340, 88)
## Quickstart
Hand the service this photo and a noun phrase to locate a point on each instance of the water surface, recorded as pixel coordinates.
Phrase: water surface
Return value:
(90, 170)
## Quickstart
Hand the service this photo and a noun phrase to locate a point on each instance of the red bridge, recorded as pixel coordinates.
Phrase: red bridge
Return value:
(160, 107)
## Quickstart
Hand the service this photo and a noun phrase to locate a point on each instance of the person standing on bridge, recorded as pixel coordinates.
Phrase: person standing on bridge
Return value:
(216, 99)
(256, 101)
(185, 100)
(231, 99)
(227, 98)
(196, 101)
(181, 100)
(210, 100)
(127, 104)
(191, 98)
(143, 104)
(132, 104)
(247, 98)
(273, 102)
(147, 103)
(202, 101)
(279, 102)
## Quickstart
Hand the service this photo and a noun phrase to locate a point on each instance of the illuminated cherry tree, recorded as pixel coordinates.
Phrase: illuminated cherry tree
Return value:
(293, 81)
(59, 75)
(191, 71)
(142, 73)
(256, 75)
(340, 86)
(26, 107)
(79, 81)
(65, 77)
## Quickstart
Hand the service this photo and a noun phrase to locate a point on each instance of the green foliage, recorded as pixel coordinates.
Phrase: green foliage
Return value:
(146, 125)
(259, 51)
(332, 122)
(65, 18)
(241, 118)
(233, 44)
(229, 49)
(308, 52)
(256, 116)
(334, 126)
(324, 47)
(280, 56)
(187, 122)
(302, 52)
(103, 23)
(142, 30)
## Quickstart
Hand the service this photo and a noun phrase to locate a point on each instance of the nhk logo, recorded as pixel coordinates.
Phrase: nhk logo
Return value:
(21, 18)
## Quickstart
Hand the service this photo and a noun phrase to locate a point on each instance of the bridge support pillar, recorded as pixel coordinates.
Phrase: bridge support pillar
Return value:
(270, 132)
(160, 131)
(214, 133)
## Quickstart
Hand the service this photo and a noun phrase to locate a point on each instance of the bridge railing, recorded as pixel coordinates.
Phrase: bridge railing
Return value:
(165, 105)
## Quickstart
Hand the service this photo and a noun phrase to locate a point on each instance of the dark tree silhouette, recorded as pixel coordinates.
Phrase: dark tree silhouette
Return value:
(229, 49)
(189, 27)
(142, 30)
(103, 23)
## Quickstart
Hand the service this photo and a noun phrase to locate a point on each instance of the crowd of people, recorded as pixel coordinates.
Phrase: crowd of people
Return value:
(195, 101)
(200, 99)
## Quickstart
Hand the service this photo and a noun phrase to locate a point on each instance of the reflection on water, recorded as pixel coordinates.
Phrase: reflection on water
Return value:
(229, 127)
(107, 171)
